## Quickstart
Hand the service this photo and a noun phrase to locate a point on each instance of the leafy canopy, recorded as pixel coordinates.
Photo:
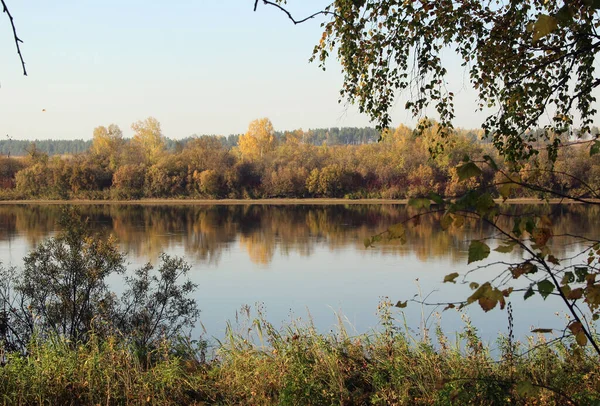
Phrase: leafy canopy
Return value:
(526, 59)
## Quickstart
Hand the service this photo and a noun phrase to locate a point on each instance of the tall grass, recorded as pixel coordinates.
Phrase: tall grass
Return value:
(257, 364)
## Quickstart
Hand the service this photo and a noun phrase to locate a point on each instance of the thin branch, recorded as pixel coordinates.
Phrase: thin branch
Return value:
(290, 16)
(18, 40)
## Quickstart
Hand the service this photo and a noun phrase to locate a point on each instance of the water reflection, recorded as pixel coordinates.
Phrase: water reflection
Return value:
(205, 232)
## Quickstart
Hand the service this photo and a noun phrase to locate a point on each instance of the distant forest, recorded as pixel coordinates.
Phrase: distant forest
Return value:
(263, 163)
(318, 136)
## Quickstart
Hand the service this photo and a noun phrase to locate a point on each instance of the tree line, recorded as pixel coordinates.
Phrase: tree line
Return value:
(263, 164)
(318, 136)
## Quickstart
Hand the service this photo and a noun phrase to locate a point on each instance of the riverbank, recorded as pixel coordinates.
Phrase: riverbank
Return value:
(297, 366)
(307, 201)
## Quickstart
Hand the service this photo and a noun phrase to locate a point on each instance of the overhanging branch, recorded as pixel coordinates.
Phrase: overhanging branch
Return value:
(18, 40)
(290, 16)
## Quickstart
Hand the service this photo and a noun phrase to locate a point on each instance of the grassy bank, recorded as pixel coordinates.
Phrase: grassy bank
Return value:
(259, 365)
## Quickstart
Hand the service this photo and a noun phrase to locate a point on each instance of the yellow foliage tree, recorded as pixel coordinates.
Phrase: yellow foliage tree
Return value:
(148, 138)
(107, 143)
(258, 140)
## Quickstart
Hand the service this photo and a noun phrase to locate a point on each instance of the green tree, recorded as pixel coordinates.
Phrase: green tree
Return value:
(62, 292)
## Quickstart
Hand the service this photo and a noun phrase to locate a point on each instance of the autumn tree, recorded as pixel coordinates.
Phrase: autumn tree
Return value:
(107, 144)
(258, 140)
(148, 139)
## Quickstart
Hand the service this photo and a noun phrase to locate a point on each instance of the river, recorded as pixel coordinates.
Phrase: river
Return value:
(309, 262)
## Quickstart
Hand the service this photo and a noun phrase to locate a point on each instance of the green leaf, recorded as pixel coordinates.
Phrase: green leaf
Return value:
(581, 272)
(467, 171)
(367, 242)
(473, 285)
(478, 251)
(526, 389)
(517, 227)
(505, 249)
(529, 225)
(396, 231)
(545, 287)
(451, 277)
(485, 204)
(568, 278)
(530, 292)
(506, 188)
(564, 15)
(437, 199)
(491, 162)
(595, 148)
(446, 221)
(419, 202)
(544, 25)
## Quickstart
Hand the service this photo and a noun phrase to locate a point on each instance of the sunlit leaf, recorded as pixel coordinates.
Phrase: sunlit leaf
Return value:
(478, 251)
(458, 221)
(451, 277)
(575, 327)
(487, 296)
(396, 231)
(505, 249)
(593, 295)
(419, 202)
(526, 389)
(446, 221)
(543, 26)
(505, 189)
(467, 171)
(581, 339)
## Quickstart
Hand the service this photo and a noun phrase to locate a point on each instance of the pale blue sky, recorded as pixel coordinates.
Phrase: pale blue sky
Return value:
(203, 66)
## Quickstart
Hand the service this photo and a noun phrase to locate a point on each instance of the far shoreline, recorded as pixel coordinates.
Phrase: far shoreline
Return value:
(275, 201)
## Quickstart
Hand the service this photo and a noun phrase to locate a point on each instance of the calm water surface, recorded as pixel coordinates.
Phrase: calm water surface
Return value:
(305, 261)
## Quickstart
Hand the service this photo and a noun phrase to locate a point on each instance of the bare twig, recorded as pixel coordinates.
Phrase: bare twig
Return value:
(290, 16)
(18, 40)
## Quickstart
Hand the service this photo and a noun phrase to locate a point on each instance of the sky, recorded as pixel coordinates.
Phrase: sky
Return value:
(198, 66)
